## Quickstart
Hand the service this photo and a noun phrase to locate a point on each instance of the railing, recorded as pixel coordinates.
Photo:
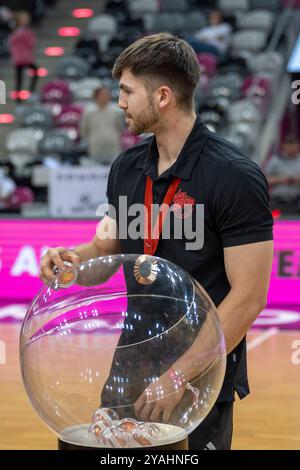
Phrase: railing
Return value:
(289, 23)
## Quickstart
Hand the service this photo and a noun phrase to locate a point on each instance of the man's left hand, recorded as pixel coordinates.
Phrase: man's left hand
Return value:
(158, 400)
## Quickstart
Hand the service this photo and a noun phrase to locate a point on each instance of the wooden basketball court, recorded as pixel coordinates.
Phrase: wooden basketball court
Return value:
(268, 419)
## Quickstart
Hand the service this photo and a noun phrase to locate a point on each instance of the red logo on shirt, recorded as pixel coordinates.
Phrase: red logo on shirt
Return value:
(183, 205)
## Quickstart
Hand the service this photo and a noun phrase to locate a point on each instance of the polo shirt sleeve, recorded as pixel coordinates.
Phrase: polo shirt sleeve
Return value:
(241, 205)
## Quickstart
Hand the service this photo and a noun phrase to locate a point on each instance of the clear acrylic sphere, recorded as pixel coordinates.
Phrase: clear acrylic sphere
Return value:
(122, 351)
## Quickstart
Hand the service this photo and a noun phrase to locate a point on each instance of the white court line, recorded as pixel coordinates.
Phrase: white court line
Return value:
(262, 338)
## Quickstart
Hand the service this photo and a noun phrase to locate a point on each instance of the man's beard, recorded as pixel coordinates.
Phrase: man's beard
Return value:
(144, 120)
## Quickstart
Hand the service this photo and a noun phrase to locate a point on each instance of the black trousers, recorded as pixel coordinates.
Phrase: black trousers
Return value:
(19, 70)
(215, 432)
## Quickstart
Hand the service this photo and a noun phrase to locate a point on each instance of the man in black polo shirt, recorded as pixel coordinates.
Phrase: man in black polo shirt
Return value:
(184, 162)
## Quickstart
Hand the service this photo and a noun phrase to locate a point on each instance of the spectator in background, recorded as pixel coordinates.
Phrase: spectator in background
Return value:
(102, 128)
(22, 43)
(35, 8)
(7, 24)
(7, 188)
(283, 173)
(217, 34)
(6, 15)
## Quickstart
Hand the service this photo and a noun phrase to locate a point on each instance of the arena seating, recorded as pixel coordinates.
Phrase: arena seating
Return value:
(233, 95)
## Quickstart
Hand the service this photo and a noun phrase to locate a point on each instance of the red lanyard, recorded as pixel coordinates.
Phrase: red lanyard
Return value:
(151, 239)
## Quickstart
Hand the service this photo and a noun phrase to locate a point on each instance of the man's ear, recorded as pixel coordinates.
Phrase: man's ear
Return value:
(165, 96)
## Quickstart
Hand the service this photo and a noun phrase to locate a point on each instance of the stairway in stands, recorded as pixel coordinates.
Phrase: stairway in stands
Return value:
(47, 36)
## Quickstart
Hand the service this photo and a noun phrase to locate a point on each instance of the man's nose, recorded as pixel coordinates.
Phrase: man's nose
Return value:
(121, 103)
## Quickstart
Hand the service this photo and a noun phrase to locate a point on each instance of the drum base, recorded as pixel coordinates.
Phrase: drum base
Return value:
(180, 445)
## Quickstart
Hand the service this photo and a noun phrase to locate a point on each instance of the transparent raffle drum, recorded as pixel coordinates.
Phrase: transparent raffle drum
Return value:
(122, 351)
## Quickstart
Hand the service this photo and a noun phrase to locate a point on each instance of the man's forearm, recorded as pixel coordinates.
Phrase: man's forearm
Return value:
(101, 272)
(87, 251)
(201, 354)
(237, 314)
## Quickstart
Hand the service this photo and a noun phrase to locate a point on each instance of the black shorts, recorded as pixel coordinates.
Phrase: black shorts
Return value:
(215, 432)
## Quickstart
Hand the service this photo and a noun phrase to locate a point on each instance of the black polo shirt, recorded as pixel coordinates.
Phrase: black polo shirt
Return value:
(234, 193)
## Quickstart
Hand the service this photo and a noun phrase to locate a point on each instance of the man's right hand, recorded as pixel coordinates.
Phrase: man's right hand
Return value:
(56, 257)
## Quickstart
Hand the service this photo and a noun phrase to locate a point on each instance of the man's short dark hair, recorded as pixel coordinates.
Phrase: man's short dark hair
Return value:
(162, 59)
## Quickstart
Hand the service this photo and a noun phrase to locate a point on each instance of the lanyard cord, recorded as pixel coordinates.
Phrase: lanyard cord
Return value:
(151, 239)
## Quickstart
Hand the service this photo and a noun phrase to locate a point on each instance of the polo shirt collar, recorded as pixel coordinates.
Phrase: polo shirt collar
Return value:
(187, 159)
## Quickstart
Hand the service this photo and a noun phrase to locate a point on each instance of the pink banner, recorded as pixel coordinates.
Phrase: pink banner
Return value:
(22, 242)
(285, 280)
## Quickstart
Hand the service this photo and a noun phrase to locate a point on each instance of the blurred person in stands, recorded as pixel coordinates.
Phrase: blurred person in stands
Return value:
(7, 188)
(6, 15)
(217, 34)
(22, 43)
(283, 173)
(35, 8)
(7, 24)
(102, 128)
